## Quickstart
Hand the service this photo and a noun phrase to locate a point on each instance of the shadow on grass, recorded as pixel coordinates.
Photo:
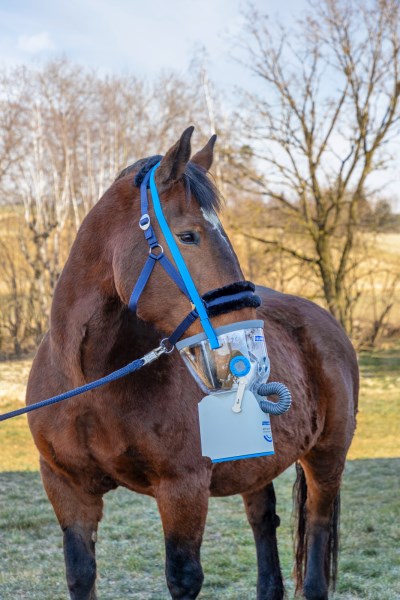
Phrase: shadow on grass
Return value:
(131, 554)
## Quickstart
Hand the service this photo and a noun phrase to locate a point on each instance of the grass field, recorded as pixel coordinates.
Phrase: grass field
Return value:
(130, 549)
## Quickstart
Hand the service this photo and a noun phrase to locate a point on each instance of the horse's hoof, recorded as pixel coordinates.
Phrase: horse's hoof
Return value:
(315, 592)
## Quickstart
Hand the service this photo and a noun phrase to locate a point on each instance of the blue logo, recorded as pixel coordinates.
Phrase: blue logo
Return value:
(258, 338)
(267, 435)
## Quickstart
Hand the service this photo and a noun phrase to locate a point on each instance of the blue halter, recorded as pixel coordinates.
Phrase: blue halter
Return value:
(225, 299)
(180, 275)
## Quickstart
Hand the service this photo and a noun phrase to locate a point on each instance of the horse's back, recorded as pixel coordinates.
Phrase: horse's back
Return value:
(295, 313)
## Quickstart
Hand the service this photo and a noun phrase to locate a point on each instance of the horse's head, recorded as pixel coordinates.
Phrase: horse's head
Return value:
(190, 203)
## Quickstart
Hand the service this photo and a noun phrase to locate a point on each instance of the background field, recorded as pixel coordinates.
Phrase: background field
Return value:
(130, 549)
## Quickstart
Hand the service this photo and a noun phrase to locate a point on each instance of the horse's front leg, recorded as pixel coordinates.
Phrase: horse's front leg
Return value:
(183, 504)
(78, 513)
(260, 509)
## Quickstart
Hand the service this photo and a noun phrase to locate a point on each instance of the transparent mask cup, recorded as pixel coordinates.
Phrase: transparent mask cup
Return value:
(242, 353)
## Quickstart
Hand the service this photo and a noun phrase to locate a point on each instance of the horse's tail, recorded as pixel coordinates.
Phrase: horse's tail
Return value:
(332, 550)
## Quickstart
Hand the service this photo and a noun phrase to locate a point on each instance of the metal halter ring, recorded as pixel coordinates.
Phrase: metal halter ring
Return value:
(156, 256)
(166, 344)
(144, 222)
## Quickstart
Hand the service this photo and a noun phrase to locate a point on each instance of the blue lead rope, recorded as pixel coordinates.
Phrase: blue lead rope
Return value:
(130, 368)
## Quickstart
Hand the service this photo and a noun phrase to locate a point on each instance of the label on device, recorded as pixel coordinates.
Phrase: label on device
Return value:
(228, 435)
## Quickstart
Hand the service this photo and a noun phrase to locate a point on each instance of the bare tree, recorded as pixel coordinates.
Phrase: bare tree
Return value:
(13, 94)
(374, 283)
(323, 126)
(45, 193)
(15, 305)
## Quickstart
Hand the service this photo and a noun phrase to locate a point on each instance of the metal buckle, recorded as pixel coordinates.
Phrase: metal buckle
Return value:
(146, 224)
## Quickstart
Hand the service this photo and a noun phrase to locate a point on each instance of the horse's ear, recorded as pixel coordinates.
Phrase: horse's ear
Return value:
(204, 157)
(174, 162)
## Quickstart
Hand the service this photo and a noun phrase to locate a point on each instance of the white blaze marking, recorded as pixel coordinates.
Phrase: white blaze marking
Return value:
(212, 218)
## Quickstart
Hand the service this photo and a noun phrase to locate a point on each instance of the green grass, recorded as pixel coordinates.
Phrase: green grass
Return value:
(130, 549)
(378, 420)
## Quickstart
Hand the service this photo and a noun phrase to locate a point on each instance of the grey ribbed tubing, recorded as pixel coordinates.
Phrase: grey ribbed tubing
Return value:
(278, 389)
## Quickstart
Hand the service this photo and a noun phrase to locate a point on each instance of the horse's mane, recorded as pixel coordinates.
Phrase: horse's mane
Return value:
(195, 179)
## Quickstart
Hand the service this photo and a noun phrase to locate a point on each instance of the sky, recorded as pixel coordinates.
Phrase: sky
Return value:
(129, 36)
(143, 38)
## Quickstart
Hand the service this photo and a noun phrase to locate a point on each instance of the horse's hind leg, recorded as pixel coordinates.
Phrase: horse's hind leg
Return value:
(183, 505)
(318, 501)
(78, 513)
(260, 509)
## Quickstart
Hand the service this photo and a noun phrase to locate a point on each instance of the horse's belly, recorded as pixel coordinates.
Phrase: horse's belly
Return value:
(241, 476)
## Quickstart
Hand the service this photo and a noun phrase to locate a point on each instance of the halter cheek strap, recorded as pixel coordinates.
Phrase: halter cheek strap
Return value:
(156, 253)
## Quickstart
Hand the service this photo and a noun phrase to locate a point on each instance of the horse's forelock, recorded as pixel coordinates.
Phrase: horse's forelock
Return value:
(201, 188)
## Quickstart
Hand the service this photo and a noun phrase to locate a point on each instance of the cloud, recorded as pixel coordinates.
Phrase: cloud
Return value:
(33, 44)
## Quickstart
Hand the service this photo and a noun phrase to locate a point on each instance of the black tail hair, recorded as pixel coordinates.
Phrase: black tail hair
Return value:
(300, 514)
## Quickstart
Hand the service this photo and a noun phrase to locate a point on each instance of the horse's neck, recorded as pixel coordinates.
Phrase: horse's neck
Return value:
(97, 334)
(91, 331)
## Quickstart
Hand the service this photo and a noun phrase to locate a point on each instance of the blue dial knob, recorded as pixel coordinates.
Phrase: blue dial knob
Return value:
(239, 366)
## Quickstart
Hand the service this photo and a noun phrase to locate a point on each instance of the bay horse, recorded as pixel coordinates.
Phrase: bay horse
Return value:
(142, 432)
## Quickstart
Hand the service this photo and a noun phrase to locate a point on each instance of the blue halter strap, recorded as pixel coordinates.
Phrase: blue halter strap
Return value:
(180, 275)
(153, 258)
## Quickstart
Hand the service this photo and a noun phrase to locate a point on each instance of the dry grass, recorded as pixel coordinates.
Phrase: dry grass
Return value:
(18, 452)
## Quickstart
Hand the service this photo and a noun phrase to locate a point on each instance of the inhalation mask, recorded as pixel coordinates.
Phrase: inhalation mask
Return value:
(242, 356)
(232, 425)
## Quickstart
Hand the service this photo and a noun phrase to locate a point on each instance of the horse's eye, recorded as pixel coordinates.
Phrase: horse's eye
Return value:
(189, 237)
